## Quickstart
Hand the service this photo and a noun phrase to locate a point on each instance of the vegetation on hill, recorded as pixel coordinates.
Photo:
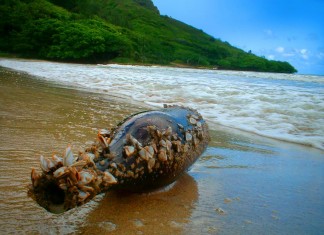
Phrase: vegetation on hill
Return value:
(128, 31)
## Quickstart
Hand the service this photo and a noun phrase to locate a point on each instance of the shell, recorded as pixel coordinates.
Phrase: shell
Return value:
(68, 159)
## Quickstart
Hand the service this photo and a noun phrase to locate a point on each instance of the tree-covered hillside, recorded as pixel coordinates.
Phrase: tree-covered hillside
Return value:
(124, 31)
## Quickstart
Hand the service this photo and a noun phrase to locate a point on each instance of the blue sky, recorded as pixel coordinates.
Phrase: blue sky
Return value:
(286, 30)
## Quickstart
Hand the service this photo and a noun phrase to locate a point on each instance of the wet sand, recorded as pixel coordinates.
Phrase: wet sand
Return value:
(243, 184)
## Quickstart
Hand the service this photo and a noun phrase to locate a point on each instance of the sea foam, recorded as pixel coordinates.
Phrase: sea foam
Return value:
(282, 106)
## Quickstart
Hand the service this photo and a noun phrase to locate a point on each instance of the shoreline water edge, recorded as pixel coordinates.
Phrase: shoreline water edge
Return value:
(242, 184)
(280, 106)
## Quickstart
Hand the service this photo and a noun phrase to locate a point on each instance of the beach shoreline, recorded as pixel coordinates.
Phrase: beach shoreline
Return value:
(243, 183)
(285, 107)
(142, 105)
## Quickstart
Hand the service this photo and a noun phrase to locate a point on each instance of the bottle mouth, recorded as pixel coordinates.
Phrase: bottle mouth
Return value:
(56, 198)
(49, 195)
(68, 182)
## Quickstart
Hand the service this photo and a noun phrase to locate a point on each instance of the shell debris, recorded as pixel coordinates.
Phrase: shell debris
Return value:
(68, 159)
(108, 178)
(129, 150)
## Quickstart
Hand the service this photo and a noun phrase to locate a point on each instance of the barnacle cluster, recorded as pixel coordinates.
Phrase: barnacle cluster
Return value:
(147, 150)
(68, 181)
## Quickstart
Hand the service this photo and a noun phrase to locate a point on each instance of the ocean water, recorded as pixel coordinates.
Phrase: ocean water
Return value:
(280, 106)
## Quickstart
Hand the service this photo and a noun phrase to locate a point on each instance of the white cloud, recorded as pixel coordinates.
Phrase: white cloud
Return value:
(271, 57)
(289, 52)
(303, 51)
(280, 49)
(304, 54)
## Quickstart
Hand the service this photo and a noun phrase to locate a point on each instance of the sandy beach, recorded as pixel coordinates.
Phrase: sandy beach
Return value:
(242, 184)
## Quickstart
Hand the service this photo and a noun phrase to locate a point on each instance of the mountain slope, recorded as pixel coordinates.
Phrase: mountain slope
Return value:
(128, 31)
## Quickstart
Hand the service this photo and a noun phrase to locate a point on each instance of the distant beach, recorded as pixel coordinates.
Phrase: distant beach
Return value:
(242, 184)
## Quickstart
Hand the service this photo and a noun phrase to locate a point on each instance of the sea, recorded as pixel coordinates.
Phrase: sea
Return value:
(287, 107)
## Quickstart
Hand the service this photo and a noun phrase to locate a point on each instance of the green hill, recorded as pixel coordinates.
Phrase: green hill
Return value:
(127, 31)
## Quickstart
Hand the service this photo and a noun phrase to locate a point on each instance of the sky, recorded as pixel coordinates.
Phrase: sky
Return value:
(285, 30)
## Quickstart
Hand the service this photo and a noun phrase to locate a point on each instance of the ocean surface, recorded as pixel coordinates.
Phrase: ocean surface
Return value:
(281, 106)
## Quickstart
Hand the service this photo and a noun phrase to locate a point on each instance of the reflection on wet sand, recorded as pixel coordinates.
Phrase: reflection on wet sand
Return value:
(160, 212)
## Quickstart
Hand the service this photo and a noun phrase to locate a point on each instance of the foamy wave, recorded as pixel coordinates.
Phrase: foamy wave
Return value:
(282, 106)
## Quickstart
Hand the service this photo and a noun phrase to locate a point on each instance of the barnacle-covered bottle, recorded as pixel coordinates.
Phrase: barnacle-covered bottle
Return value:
(145, 151)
